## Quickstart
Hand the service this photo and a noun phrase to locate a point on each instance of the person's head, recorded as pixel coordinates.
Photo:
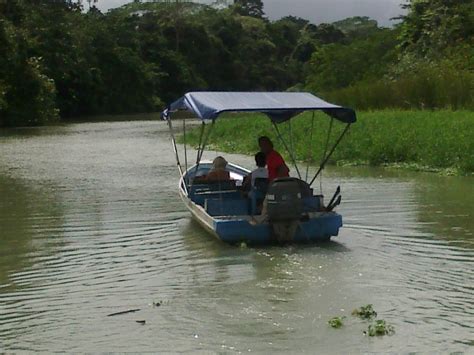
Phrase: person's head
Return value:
(260, 159)
(265, 144)
(219, 163)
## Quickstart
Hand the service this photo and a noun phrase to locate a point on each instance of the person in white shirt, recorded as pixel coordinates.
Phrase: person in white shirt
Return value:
(261, 172)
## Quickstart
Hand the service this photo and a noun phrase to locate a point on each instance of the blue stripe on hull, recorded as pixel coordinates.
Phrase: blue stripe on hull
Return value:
(319, 228)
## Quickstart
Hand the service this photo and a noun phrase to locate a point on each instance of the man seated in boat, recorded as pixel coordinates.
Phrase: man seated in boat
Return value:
(275, 163)
(217, 173)
(261, 172)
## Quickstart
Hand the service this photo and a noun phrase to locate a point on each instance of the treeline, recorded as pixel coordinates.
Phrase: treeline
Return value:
(425, 62)
(59, 61)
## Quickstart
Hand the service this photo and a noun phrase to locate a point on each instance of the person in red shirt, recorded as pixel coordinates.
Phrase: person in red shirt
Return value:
(275, 163)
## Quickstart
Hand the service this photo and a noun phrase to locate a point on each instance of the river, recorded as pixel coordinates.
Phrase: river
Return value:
(91, 224)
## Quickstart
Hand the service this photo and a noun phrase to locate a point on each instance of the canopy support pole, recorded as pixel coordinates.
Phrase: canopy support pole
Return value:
(286, 147)
(202, 146)
(204, 142)
(310, 151)
(201, 134)
(198, 157)
(290, 131)
(325, 152)
(185, 146)
(175, 148)
(321, 167)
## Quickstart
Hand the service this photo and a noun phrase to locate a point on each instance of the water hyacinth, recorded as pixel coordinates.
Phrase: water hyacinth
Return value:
(336, 322)
(378, 328)
(365, 312)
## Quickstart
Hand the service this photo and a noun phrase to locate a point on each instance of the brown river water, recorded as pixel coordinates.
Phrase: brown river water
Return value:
(91, 224)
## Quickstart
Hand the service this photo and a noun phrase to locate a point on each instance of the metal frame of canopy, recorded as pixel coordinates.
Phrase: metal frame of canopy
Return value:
(278, 106)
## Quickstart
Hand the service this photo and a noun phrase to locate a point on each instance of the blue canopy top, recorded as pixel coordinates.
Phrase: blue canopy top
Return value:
(278, 106)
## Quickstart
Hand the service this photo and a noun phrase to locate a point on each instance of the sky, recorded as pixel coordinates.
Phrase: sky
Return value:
(317, 11)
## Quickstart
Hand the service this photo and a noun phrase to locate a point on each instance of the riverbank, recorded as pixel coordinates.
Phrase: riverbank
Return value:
(440, 141)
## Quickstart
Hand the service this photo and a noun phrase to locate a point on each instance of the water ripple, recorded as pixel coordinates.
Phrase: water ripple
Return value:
(99, 229)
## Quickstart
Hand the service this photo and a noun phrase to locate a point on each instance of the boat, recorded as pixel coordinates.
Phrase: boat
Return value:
(293, 212)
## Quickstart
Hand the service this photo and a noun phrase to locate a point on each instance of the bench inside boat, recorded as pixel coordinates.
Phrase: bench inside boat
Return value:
(227, 199)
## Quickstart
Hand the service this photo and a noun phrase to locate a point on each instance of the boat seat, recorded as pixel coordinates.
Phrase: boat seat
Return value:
(200, 197)
(219, 207)
(213, 186)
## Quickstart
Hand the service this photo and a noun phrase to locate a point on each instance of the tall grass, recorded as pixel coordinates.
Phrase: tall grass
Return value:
(423, 87)
(422, 139)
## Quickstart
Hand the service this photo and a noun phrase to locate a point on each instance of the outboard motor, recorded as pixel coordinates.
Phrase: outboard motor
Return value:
(285, 206)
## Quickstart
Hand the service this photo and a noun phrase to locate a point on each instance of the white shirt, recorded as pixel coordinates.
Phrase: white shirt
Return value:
(259, 173)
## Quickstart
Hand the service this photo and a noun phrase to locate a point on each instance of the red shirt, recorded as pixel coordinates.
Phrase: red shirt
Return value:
(274, 161)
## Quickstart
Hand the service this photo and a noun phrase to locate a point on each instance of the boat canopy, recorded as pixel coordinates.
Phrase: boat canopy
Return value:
(278, 106)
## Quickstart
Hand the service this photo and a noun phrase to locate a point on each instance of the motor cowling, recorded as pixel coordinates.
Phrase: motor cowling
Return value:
(285, 199)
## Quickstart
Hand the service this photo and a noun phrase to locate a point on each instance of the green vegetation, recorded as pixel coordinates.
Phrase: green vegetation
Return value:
(379, 327)
(26, 93)
(430, 85)
(422, 140)
(427, 61)
(336, 322)
(60, 61)
(365, 312)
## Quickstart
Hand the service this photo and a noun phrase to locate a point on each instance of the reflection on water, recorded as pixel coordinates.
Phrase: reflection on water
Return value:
(19, 216)
(447, 205)
(91, 224)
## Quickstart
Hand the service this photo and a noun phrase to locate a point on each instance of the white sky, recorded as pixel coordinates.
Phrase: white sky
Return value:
(316, 11)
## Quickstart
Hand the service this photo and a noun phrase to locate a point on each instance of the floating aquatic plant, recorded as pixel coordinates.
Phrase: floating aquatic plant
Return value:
(365, 312)
(379, 327)
(336, 322)
(376, 328)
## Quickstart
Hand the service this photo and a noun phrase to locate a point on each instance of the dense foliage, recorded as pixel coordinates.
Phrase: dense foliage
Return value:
(421, 140)
(59, 60)
(426, 61)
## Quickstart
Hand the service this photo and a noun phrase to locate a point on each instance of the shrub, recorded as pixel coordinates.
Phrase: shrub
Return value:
(424, 86)
(422, 139)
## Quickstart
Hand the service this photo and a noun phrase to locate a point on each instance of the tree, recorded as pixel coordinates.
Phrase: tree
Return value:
(252, 8)
(26, 93)
(336, 66)
(326, 33)
(431, 26)
(357, 27)
(55, 56)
